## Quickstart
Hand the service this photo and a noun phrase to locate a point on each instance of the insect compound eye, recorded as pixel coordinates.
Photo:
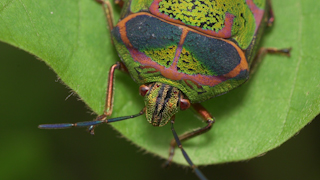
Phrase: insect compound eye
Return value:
(184, 104)
(143, 90)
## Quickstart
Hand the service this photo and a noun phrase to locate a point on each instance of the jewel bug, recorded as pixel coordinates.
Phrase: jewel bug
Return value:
(183, 52)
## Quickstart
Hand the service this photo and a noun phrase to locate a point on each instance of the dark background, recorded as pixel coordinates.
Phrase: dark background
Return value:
(32, 95)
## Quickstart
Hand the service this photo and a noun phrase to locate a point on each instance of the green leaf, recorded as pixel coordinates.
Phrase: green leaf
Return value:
(280, 99)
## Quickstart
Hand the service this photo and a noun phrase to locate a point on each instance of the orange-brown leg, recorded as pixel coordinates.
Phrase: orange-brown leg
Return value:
(109, 94)
(262, 52)
(119, 2)
(107, 8)
(102, 119)
(271, 15)
(209, 120)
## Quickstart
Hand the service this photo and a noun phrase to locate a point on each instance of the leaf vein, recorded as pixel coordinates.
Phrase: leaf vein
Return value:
(295, 74)
(30, 19)
(4, 6)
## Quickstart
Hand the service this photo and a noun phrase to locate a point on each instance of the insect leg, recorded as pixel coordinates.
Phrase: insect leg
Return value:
(178, 142)
(262, 52)
(109, 94)
(119, 2)
(107, 110)
(108, 12)
(209, 120)
(271, 15)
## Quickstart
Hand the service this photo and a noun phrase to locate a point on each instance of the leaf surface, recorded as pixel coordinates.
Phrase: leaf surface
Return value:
(280, 99)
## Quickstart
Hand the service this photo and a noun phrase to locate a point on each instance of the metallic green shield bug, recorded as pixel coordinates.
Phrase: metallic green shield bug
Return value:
(183, 52)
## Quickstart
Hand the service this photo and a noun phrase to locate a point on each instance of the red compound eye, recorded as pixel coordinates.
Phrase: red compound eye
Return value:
(143, 90)
(184, 104)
